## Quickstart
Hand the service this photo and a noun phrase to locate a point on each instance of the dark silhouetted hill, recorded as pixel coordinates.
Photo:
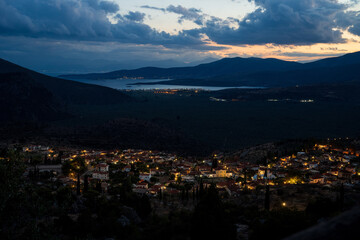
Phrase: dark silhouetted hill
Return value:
(23, 99)
(32, 103)
(221, 67)
(345, 69)
(247, 72)
(64, 91)
(347, 59)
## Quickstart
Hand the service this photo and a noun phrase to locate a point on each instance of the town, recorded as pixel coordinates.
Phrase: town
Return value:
(171, 178)
(67, 190)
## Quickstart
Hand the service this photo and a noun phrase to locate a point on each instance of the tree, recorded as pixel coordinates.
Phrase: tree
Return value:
(245, 179)
(209, 214)
(182, 195)
(61, 153)
(79, 167)
(86, 183)
(66, 168)
(160, 194)
(341, 198)
(154, 180)
(201, 190)
(11, 170)
(34, 161)
(267, 198)
(267, 192)
(178, 179)
(214, 164)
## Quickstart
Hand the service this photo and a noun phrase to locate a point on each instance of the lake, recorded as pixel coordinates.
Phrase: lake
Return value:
(125, 84)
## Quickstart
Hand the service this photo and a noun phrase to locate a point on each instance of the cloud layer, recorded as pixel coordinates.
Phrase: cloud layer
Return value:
(82, 20)
(88, 29)
(283, 22)
(274, 21)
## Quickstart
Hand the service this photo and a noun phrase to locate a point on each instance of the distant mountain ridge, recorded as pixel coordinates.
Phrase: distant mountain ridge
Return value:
(347, 59)
(299, 77)
(326, 71)
(218, 68)
(238, 72)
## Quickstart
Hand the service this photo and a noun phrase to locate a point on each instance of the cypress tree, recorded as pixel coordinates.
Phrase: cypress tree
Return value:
(342, 193)
(160, 194)
(201, 190)
(98, 186)
(86, 183)
(78, 184)
(267, 190)
(267, 198)
(245, 180)
(214, 164)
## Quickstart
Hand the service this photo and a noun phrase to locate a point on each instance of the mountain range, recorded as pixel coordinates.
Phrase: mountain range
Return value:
(246, 72)
(28, 95)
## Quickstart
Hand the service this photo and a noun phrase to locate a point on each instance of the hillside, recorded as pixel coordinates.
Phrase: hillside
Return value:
(347, 59)
(37, 107)
(247, 72)
(28, 96)
(64, 91)
(22, 99)
(300, 77)
(346, 93)
(218, 68)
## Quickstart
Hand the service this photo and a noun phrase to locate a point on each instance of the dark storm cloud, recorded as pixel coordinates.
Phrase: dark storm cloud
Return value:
(135, 16)
(77, 35)
(282, 22)
(83, 20)
(350, 20)
(298, 22)
(107, 6)
(153, 8)
(59, 56)
(274, 21)
(191, 14)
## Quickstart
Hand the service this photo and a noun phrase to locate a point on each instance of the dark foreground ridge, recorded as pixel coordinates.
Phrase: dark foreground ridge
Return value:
(63, 91)
(344, 226)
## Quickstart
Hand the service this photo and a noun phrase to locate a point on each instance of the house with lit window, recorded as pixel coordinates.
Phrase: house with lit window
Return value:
(101, 172)
(145, 177)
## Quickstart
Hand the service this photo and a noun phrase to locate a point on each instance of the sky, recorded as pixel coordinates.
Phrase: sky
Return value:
(78, 36)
